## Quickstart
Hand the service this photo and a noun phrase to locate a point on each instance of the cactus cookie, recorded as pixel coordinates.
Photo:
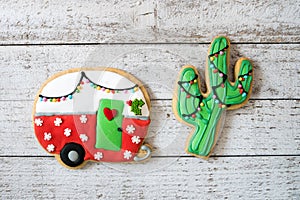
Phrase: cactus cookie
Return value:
(205, 111)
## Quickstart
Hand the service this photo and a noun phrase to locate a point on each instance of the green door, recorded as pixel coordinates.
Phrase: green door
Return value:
(109, 124)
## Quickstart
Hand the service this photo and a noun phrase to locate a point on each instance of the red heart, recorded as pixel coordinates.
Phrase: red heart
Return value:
(110, 114)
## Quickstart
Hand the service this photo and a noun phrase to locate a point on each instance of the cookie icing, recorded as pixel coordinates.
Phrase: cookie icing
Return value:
(85, 114)
(204, 111)
(73, 91)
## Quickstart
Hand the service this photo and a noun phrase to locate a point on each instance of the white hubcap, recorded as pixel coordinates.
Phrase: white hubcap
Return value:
(73, 156)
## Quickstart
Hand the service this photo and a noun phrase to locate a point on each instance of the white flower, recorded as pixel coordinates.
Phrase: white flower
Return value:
(98, 155)
(67, 132)
(50, 147)
(127, 154)
(83, 137)
(47, 136)
(57, 121)
(130, 129)
(135, 139)
(38, 122)
(83, 119)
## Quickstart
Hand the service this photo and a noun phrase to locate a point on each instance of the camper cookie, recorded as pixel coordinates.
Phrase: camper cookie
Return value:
(205, 111)
(96, 114)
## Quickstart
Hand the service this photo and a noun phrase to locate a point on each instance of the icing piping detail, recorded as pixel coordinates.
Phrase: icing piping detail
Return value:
(78, 87)
(98, 156)
(38, 122)
(83, 119)
(136, 139)
(67, 132)
(83, 137)
(50, 148)
(127, 154)
(57, 121)
(136, 106)
(47, 136)
(130, 129)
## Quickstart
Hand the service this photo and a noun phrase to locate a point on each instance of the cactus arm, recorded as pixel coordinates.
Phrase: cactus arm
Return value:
(239, 91)
(190, 93)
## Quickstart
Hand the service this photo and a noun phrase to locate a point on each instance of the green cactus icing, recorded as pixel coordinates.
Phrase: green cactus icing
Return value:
(205, 111)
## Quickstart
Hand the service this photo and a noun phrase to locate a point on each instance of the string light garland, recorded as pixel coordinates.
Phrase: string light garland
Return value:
(187, 84)
(79, 87)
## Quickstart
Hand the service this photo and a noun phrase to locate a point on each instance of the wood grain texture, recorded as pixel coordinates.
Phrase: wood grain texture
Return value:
(152, 21)
(262, 127)
(257, 155)
(183, 178)
(157, 66)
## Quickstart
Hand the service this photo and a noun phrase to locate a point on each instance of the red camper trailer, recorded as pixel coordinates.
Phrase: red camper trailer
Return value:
(88, 114)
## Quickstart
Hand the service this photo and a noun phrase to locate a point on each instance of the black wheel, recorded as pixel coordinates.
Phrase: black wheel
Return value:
(72, 154)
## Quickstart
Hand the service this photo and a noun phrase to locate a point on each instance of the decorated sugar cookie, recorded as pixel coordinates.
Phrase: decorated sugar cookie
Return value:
(97, 114)
(205, 111)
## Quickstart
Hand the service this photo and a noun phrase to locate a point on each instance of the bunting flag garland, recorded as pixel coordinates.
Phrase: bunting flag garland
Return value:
(79, 87)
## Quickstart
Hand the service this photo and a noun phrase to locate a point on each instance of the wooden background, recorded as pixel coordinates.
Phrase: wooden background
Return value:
(258, 153)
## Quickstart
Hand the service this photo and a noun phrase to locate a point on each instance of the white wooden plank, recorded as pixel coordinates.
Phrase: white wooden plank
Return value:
(147, 21)
(262, 127)
(260, 143)
(25, 68)
(184, 178)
